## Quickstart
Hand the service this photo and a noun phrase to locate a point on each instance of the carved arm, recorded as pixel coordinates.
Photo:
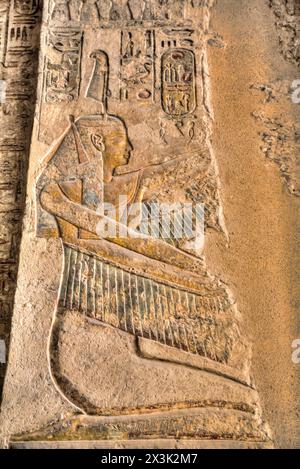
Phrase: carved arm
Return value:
(55, 202)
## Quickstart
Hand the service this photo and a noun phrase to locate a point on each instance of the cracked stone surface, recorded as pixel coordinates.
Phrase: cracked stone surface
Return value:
(111, 110)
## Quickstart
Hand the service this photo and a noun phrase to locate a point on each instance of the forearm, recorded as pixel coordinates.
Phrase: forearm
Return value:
(55, 202)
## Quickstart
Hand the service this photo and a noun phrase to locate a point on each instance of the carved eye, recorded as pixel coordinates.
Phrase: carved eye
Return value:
(97, 141)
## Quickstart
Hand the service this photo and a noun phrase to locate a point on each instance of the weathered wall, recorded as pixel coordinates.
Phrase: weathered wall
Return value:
(245, 127)
(262, 262)
(19, 46)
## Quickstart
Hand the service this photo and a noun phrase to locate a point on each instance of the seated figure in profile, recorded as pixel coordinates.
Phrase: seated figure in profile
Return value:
(138, 290)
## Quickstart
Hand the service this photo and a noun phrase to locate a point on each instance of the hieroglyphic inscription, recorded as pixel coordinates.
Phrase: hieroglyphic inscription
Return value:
(3, 29)
(62, 57)
(63, 65)
(122, 113)
(114, 13)
(137, 64)
(19, 36)
(164, 295)
(22, 28)
(178, 74)
(178, 83)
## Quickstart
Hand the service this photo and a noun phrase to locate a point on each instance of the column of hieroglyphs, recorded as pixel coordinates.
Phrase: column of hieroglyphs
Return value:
(19, 39)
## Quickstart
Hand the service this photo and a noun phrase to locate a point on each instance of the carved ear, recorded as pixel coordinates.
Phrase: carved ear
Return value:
(98, 142)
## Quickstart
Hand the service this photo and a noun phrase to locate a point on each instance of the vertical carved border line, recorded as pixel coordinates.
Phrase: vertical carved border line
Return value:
(19, 40)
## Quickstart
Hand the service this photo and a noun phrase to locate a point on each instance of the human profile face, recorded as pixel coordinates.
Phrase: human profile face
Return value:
(117, 148)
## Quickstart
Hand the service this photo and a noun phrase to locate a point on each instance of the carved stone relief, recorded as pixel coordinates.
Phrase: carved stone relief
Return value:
(19, 37)
(140, 339)
(287, 13)
(123, 111)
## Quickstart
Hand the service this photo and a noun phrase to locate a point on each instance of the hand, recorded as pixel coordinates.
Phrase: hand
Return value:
(51, 195)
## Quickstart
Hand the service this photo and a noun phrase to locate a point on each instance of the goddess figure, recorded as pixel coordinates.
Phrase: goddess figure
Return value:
(144, 291)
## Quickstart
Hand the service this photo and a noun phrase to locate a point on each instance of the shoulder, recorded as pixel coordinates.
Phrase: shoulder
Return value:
(125, 184)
